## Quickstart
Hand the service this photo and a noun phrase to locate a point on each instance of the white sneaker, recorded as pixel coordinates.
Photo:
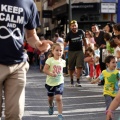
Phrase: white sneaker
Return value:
(87, 76)
(78, 85)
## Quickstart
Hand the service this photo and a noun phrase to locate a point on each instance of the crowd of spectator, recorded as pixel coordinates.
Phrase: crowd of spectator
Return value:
(99, 43)
(85, 51)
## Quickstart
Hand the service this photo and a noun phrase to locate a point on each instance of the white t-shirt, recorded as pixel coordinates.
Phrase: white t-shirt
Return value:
(116, 50)
(97, 54)
(60, 40)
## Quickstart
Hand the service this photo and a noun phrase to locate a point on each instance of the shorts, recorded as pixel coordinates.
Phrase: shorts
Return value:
(54, 90)
(108, 100)
(75, 59)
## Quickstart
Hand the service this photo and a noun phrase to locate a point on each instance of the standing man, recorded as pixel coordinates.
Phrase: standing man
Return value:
(99, 39)
(75, 54)
(16, 17)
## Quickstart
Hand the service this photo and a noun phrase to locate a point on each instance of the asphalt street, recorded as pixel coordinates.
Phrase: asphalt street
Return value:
(80, 103)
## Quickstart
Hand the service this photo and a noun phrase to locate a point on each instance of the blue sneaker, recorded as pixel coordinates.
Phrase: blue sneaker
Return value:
(51, 110)
(60, 117)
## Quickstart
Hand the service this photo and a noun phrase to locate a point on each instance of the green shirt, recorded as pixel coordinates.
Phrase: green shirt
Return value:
(110, 49)
(111, 82)
(56, 66)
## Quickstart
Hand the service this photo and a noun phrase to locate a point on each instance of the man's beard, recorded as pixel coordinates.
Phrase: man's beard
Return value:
(74, 30)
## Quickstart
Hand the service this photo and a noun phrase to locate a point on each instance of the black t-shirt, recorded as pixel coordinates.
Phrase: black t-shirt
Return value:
(15, 15)
(75, 40)
(100, 39)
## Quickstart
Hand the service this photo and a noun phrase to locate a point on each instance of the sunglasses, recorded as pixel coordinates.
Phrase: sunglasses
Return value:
(73, 21)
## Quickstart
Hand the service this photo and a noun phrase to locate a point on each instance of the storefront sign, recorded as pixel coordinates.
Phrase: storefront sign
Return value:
(86, 7)
(108, 7)
(110, 1)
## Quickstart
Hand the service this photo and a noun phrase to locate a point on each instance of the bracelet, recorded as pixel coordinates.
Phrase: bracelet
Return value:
(108, 111)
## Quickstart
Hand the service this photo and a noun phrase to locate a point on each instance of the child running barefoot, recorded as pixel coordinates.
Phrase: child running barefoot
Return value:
(111, 76)
(55, 80)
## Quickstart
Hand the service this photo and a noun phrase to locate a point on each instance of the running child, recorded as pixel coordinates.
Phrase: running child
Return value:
(55, 80)
(111, 76)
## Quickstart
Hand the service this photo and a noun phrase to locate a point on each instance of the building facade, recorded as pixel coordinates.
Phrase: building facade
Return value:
(56, 14)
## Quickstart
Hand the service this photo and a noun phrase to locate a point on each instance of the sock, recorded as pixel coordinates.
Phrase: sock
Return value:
(78, 80)
(71, 81)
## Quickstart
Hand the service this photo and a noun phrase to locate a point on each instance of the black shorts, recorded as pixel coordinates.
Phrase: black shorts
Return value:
(54, 90)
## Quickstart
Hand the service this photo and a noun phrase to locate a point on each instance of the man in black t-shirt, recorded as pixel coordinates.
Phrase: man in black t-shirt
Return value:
(75, 53)
(16, 18)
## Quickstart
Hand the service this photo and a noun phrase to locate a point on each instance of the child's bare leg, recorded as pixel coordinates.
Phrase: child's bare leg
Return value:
(50, 100)
(59, 103)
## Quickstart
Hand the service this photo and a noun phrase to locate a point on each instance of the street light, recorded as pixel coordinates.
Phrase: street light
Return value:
(70, 12)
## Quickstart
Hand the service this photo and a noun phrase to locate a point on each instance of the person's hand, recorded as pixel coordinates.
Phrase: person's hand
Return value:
(53, 74)
(109, 115)
(45, 45)
(102, 46)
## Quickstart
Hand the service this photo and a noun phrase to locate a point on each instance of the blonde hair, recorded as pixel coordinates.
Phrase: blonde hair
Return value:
(54, 46)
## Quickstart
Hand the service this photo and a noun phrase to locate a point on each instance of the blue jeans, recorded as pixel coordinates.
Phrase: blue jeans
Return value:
(86, 69)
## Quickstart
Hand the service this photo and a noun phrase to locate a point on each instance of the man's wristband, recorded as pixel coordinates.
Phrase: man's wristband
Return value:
(108, 111)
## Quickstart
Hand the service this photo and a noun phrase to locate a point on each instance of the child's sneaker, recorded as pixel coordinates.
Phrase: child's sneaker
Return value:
(51, 110)
(78, 85)
(60, 117)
